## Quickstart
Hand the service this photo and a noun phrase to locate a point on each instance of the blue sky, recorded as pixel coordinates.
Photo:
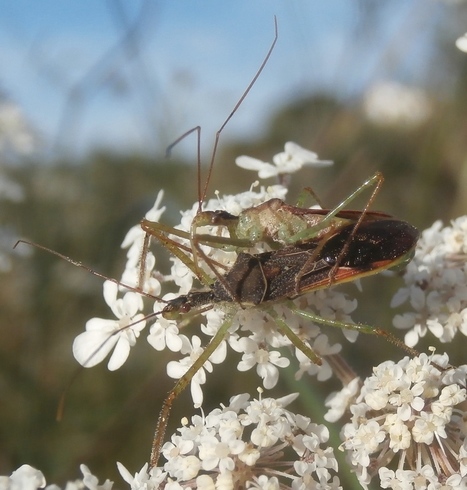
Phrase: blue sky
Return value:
(194, 59)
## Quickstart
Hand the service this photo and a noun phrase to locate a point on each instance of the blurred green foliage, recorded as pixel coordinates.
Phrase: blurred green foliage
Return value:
(83, 210)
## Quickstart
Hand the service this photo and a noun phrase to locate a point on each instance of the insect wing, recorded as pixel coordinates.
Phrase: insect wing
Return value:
(376, 245)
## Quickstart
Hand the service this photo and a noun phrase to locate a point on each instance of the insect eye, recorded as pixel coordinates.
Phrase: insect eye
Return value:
(176, 307)
(185, 308)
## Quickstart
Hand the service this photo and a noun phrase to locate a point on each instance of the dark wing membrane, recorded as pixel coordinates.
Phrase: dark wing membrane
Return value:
(375, 246)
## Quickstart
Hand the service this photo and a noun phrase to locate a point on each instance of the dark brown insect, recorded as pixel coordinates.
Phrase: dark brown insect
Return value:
(260, 280)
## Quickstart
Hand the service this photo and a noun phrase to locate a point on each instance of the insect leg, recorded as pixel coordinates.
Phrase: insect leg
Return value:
(294, 338)
(359, 327)
(375, 180)
(180, 385)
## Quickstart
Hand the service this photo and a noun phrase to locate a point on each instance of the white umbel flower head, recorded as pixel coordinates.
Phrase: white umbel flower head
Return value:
(413, 412)
(436, 285)
(251, 444)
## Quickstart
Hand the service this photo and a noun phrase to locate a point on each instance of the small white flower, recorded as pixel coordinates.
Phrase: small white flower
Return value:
(398, 480)
(265, 361)
(101, 336)
(399, 435)
(322, 348)
(90, 481)
(176, 369)
(215, 453)
(338, 402)
(143, 480)
(178, 447)
(265, 483)
(165, 333)
(289, 161)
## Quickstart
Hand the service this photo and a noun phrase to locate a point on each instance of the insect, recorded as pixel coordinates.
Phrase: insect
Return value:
(260, 280)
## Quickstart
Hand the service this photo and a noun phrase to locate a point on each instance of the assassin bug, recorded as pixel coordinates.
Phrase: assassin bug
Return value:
(260, 280)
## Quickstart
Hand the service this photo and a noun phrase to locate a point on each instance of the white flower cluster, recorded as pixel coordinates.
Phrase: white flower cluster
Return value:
(247, 444)
(28, 478)
(412, 410)
(292, 159)
(436, 285)
(252, 330)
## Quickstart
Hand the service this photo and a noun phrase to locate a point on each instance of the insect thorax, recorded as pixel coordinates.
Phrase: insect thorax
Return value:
(273, 222)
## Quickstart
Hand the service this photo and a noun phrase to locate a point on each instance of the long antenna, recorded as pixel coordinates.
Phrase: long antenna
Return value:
(202, 196)
(79, 264)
